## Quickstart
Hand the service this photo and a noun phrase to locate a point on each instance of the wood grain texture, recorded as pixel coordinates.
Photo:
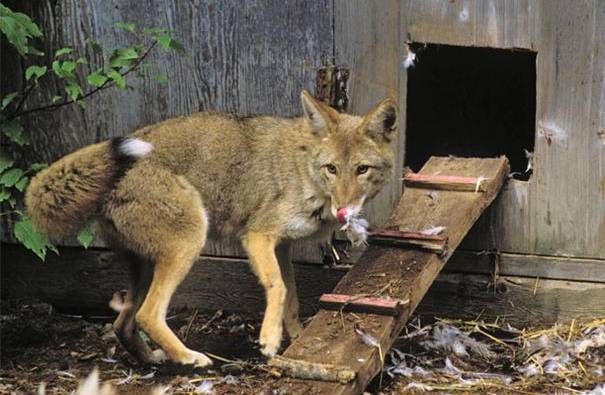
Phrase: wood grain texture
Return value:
(522, 301)
(398, 273)
(82, 282)
(532, 266)
(366, 39)
(242, 56)
(481, 23)
(561, 210)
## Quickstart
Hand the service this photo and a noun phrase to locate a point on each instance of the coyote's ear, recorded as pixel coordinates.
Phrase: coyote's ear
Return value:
(381, 123)
(319, 116)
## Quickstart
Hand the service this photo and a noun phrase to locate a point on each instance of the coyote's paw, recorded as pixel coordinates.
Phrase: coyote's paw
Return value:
(270, 339)
(196, 359)
(293, 327)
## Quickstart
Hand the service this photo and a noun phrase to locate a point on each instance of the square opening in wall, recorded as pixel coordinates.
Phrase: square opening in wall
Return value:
(471, 102)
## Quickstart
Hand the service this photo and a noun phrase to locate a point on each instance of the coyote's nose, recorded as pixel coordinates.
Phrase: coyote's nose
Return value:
(341, 215)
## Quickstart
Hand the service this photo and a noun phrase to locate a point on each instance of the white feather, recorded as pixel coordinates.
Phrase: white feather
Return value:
(433, 230)
(409, 60)
(135, 147)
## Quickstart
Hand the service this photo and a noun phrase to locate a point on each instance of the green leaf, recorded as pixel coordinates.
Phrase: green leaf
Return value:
(12, 201)
(168, 42)
(19, 29)
(10, 177)
(96, 79)
(33, 240)
(63, 51)
(81, 61)
(68, 66)
(8, 98)
(73, 91)
(34, 70)
(87, 234)
(56, 66)
(164, 40)
(123, 57)
(22, 183)
(117, 78)
(65, 69)
(4, 195)
(56, 99)
(14, 131)
(36, 167)
(5, 162)
(126, 26)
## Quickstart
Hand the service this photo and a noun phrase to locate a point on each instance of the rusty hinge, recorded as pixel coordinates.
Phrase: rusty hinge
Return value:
(331, 86)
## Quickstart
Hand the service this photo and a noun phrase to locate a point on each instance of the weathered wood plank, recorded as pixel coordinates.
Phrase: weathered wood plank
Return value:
(83, 282)
(567, 214)
(534, 266)
(522, 301)
(331, 338)
(482, 23)
(366, 38)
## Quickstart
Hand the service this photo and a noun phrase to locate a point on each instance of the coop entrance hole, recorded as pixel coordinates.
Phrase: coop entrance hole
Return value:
(471, 102)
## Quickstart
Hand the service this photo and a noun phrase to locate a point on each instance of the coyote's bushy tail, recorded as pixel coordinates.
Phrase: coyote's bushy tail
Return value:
(63, 197)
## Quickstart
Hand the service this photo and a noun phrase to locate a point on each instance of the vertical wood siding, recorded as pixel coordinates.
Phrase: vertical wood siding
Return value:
(561, 210)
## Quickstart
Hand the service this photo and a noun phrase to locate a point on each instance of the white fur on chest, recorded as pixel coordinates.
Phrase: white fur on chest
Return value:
(305, 223)
(299, 226)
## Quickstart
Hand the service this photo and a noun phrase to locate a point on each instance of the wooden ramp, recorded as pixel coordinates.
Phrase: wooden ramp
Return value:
(382, 290)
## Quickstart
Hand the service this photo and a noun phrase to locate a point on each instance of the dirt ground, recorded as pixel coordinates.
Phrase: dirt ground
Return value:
(39, 345)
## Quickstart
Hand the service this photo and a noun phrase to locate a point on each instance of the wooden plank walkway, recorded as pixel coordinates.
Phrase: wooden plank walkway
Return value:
(332, 339)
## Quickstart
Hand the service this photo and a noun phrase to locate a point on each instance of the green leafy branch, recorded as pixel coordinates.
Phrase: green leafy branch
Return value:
(74, 72)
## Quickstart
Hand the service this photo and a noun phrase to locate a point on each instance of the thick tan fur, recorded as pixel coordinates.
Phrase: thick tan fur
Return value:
(266, 180)
(62, 197)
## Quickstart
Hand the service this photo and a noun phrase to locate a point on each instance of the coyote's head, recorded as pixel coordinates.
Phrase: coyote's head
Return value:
(353, 159)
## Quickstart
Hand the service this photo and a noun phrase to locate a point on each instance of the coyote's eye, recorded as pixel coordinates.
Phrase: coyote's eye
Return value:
(362, 169)
(331, 168)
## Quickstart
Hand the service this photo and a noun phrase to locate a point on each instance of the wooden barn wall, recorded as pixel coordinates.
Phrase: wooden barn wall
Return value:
(255, 56)
(366, 38)
(241, 56)
(560, 211)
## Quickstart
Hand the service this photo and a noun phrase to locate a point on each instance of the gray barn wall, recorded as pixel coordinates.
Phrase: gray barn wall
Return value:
(254, 56)
(561, 210)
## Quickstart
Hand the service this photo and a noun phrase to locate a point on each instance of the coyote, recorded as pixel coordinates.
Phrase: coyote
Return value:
(267, 180)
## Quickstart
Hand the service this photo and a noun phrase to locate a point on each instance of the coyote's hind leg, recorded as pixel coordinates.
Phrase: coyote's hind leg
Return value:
(159, 216)
(125, 326)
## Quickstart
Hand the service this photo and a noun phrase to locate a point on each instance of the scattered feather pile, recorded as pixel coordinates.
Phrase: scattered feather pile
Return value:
(571, 352)
(481, 357)
(451, 339)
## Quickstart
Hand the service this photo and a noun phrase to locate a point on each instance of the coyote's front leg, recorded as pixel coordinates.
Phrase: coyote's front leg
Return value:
(291, 320)
(261, 252)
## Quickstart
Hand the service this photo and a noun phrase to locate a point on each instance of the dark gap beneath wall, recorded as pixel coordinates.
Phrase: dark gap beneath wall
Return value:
(471, 102)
